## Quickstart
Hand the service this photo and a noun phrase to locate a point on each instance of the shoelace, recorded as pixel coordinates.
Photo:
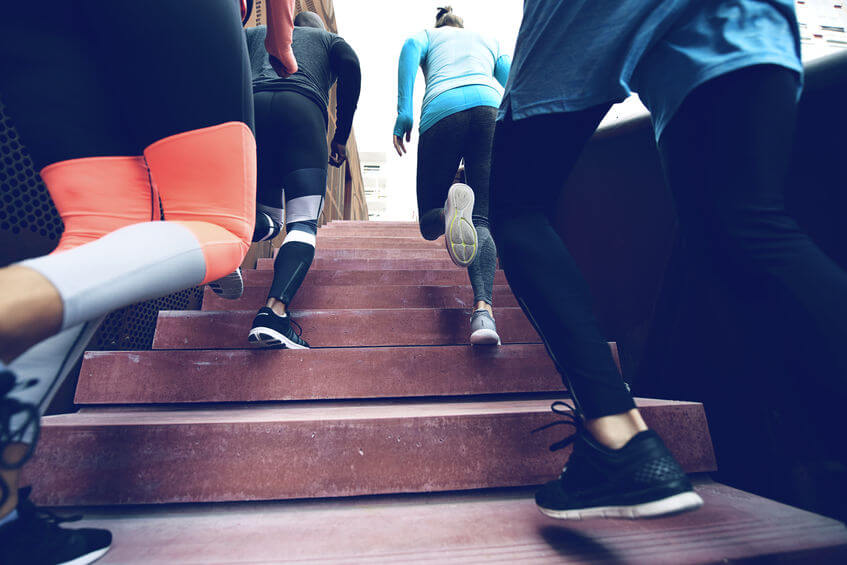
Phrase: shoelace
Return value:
(9, 407)
(572, 417)
(43, 514)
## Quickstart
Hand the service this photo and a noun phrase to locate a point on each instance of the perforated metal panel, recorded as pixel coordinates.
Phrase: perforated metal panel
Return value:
(30, 226)
(27, 215)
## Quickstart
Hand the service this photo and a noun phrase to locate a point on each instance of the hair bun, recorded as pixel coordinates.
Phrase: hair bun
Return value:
(443, 10)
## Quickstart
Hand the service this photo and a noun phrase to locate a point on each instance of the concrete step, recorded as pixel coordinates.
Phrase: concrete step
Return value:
(395, 264)
(383, 254)
(371, 224)
(318, 277)
(332, 241)
(158, 377)
(357, 297)
(500, 526)
(187, 329)
(356, 234)
(310, 450)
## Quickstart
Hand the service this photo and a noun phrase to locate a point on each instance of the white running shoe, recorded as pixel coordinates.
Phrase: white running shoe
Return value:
(230, 286)
(483, 329)
(459, 231)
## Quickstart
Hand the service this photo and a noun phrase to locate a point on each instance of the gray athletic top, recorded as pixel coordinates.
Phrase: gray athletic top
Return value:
(322, 58)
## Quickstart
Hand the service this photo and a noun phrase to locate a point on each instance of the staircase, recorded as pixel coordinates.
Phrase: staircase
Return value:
(391, 401)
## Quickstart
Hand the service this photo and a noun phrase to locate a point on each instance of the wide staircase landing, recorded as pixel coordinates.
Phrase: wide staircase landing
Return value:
(392, 440)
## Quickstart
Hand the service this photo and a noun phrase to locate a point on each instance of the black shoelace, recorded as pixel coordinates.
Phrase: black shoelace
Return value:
(572, 417)
(46, 516)
(9, 407)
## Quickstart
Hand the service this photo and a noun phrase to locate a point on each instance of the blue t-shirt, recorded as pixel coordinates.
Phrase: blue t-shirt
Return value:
(462, 68)
(574, 54)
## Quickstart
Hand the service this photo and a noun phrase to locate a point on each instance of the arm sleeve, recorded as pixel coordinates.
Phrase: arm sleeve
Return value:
(501, 69)
(278, 40)
(413, 53)
(346, 65)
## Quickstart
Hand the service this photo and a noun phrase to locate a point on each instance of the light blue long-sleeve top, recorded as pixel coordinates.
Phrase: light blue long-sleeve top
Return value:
(463, 69)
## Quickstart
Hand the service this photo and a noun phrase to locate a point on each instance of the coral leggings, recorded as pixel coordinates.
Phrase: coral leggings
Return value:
(136, 112)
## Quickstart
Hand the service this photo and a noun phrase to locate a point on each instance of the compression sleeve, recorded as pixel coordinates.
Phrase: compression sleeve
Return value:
(501, 69)
(278, 40)
(346, 65)
(411, 56)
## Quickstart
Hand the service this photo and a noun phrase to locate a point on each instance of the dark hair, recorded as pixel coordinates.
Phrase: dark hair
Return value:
(446, 17)
(309, 19)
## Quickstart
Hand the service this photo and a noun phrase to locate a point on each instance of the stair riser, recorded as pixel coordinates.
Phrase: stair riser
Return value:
(381, 254)
(362, 297)
(162, 463)
(317, 277)
(145, 377)
(339, 328)
(372, 264)
(377, 242)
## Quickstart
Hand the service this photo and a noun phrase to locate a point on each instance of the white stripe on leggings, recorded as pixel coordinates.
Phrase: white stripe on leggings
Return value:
(301, 236)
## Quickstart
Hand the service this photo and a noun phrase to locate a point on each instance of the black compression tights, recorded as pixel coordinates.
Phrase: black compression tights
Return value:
(725, 153)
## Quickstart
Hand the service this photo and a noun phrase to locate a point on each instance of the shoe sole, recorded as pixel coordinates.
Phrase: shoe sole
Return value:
(675, 504)
(459, 232)
(485, 336)
(272, 338)
(230, 287)
(87, 558)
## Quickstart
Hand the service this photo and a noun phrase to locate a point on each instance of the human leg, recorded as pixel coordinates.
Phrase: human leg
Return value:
(439, 154)
(293, 155)
(609, 471)
(540, 270)
(726, 153)
(87, 134)
(477, 156)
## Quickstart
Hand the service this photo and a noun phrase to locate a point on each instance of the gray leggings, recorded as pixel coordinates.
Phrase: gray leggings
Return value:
(467, 135)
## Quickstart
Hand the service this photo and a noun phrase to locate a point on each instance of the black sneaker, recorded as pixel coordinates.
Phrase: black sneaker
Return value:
(642, 479)
(29, 419)
(272, 330)
(36, 538)
(230, 287)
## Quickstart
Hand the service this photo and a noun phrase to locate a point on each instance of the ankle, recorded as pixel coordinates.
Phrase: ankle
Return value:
(483, 305)
(615, 431)
(278, 306)
(13, 455)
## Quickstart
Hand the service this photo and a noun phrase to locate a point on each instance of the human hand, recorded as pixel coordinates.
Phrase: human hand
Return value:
(338, 153)
(402, 127)
(284, 66)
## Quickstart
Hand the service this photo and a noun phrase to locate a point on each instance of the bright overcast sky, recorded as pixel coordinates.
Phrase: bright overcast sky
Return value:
(376, 29)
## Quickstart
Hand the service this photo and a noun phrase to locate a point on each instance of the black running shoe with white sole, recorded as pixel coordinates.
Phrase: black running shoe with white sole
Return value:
(36, 538)
(230, 286)
(272, 330)
(459, 231)
(640, 480)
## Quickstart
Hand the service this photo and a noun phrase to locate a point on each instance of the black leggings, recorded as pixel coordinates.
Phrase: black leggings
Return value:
(468, 134)
(96, 79)
(725, 153)
(292, 161)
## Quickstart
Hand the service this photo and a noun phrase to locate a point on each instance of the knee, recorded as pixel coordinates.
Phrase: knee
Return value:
(749, 234)
(98, 195)
(208, 175)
